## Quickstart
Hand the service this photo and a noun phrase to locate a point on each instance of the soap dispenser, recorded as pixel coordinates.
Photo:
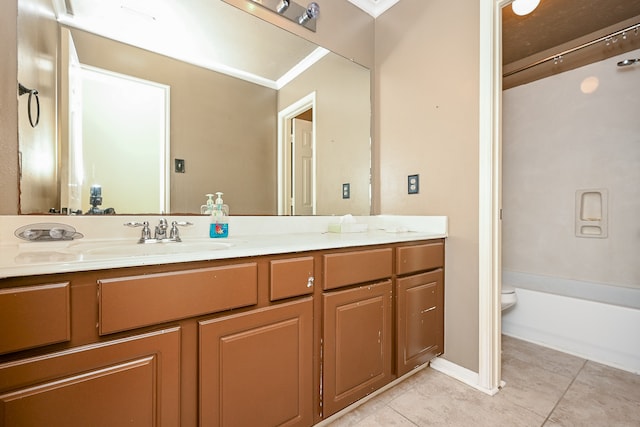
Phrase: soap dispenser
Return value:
(219, 226)
(207, 209)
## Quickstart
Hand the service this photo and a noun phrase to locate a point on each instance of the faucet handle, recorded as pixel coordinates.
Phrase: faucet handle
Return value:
(146, 231)
(174, 233)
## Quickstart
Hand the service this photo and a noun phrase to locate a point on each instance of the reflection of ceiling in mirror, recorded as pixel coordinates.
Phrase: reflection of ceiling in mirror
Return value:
(210, 34)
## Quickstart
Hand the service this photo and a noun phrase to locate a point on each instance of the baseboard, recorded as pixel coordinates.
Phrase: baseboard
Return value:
(460, 373)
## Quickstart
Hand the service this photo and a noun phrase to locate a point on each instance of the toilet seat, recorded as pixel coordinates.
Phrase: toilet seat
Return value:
(506, 289)
(508, 297)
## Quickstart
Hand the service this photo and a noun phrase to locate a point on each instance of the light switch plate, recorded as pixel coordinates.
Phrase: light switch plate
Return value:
(179, 165)
(413, 184)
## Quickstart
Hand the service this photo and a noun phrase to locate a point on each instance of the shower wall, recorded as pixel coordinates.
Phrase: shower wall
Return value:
(575, 131)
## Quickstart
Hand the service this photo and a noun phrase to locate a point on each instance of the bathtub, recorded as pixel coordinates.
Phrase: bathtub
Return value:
(595, 321)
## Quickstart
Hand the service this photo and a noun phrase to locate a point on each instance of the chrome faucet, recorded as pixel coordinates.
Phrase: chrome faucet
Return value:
(160, 235)
(161, 230)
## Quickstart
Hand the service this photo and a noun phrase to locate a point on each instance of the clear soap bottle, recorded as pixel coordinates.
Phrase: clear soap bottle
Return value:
(207, 209)
(219, 226)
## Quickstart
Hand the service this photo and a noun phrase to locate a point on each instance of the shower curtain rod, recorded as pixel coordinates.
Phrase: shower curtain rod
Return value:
(635, 27)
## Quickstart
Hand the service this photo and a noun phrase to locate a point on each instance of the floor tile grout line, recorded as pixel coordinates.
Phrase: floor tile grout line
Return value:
(402, 415)
(575, 377)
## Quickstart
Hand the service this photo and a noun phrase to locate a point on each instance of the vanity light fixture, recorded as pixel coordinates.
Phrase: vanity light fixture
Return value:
(524, 7)
(312, 12)
(282, 6)
(294, 12)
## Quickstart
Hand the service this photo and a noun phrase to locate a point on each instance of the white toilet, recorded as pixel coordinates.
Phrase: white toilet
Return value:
(508, 297)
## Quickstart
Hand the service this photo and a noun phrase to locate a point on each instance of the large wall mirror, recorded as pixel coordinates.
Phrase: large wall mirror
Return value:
(236, 105)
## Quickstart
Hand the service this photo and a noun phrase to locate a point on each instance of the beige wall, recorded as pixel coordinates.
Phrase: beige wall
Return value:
(426, 122)
(343, 116)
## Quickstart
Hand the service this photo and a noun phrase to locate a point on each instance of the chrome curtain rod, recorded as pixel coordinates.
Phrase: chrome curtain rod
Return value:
(635, 28)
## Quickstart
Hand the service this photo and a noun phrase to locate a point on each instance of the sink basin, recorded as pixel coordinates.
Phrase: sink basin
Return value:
(137, 249)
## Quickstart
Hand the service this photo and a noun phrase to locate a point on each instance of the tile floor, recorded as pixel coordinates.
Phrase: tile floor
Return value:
(543, 387)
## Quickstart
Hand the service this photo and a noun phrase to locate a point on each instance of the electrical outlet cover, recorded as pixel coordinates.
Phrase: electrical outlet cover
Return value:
(346, 191)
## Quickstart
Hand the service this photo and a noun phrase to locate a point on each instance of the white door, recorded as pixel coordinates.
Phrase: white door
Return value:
(302, 168)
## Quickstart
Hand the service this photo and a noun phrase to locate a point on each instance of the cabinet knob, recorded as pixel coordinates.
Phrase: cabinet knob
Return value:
(310, 282)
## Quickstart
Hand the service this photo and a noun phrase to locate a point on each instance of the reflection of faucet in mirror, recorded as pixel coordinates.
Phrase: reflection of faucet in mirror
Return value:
(95, 199)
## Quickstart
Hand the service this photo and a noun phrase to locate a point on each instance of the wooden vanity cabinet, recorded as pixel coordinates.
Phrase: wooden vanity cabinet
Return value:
(134, 381)
(357, 344)
(419, 305)
(242, 342)
(34, 316)
(357, 334)
(256, 368)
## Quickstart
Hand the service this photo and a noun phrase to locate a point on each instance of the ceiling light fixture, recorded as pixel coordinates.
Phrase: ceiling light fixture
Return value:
(524, 7)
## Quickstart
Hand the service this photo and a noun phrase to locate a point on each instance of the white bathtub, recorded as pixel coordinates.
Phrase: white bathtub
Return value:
(595, 321)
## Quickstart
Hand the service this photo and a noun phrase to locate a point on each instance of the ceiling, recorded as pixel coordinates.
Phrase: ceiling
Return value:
(558, 25)
(555, 22)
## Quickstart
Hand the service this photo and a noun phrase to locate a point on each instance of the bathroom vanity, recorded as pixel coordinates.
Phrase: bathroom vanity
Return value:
(259, 334)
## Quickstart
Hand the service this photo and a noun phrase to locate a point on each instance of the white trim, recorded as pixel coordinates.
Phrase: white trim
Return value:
(489, 359)
(461, 374)
(301, 67)
(294, 109)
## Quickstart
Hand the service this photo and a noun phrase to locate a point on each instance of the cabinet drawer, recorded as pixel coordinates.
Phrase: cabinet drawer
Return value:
(419, 257)
(349, 268)
(291, 277)
(132, 302)
(33, 316)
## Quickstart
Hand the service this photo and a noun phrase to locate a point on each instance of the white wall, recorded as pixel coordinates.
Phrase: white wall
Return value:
(556, 140)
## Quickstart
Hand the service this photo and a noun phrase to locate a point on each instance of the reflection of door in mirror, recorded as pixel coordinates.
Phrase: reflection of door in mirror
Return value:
(116, 138)
(297, 157)
(302, 168)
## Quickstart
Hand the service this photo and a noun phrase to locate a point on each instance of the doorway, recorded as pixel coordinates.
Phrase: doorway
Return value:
(297, 158)
(124, 141)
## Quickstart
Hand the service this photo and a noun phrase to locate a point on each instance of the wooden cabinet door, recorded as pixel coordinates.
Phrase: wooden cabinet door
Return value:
(357, 344)
(256, 368)
(420, 319)
(132, 381)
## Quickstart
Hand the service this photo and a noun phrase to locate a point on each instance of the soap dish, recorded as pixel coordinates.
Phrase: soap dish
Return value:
(348, 228)
(47, 232)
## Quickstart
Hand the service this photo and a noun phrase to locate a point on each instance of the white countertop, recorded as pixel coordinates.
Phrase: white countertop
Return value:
(107, 244)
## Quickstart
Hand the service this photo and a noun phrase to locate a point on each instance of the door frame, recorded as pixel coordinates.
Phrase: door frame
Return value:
(284, 151)
(490, 191)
